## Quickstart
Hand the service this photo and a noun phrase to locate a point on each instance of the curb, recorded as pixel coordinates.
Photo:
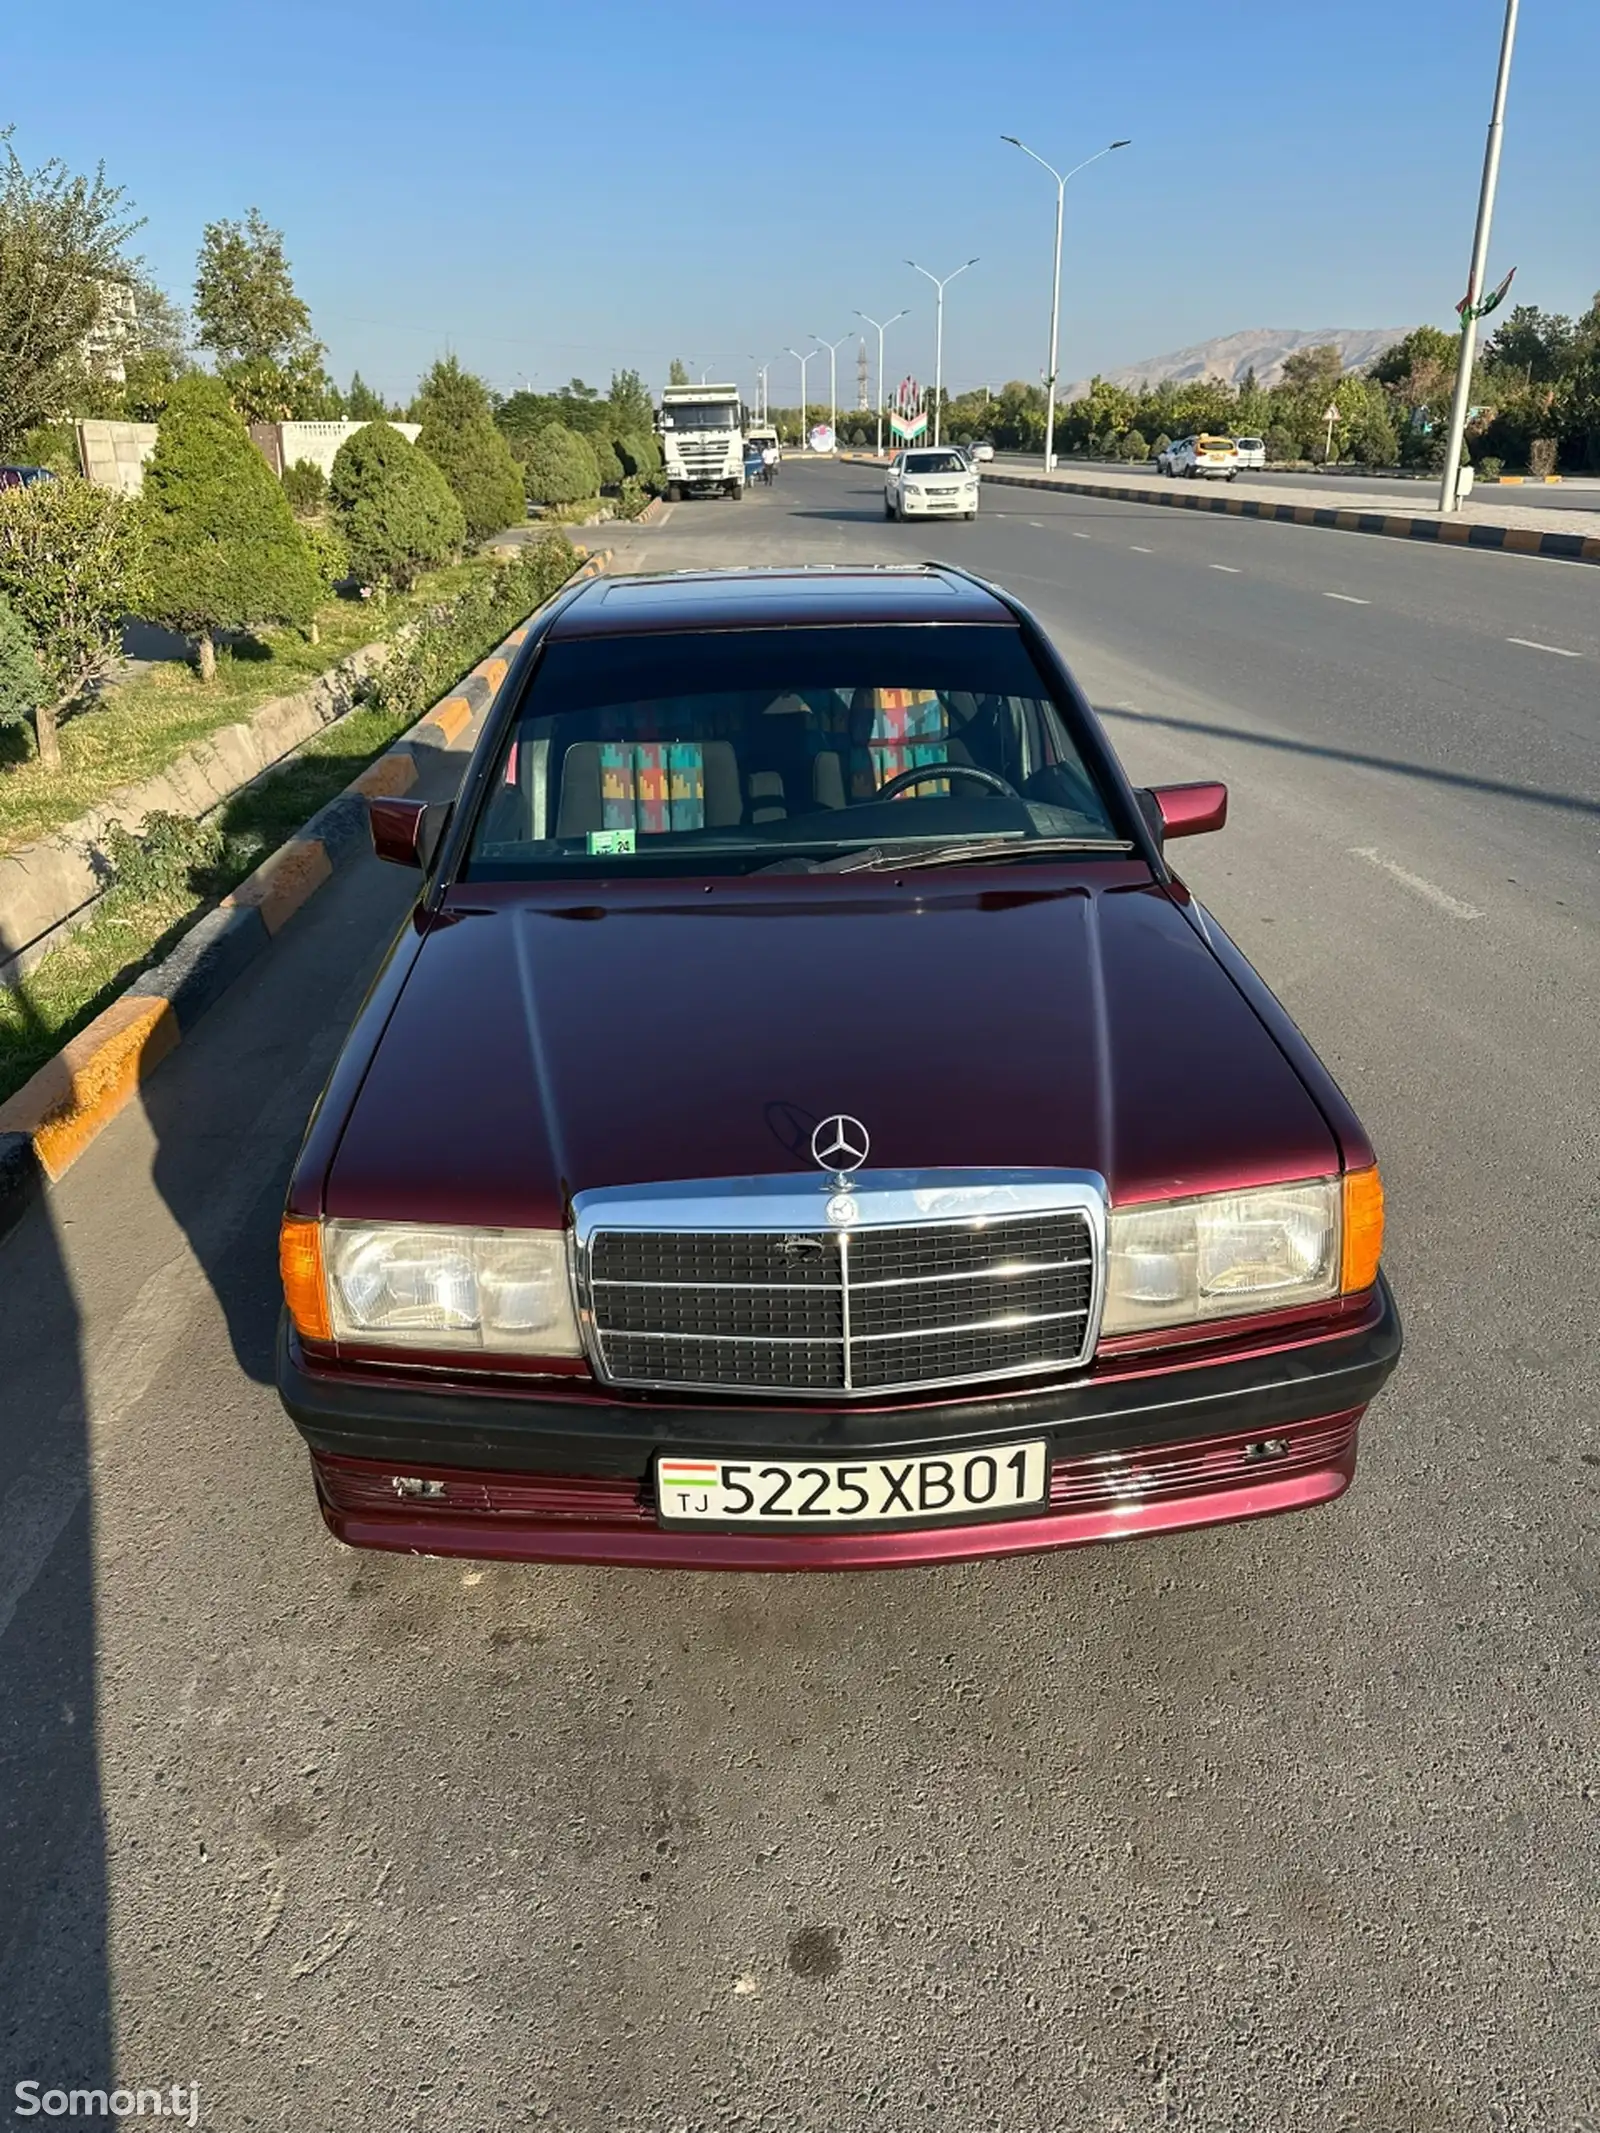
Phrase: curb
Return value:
(1444, 533)
(73, 1097)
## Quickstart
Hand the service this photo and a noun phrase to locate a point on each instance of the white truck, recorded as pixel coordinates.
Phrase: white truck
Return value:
(701, 428)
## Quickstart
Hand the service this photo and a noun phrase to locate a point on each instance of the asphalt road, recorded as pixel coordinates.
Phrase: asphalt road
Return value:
(1290, 1826)
(1577, 493)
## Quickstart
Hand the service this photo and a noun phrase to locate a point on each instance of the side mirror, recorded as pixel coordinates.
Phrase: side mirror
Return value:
(1191, 810)
(397, 830)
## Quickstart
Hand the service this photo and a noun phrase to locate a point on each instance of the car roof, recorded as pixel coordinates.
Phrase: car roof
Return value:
(779, 598)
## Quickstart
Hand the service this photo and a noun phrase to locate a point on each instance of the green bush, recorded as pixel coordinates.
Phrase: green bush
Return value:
(459, 436)
(561, 467)
(395, 509)
(1281, 444)
(1134, 446)
(607, 465)
(1162, 443)
(455, 634)
(306, 487)
(224, 551)
(330, 552)
(1491, 468)
(1542, 457)
(168, 855)
(21, 677)
(71, 567)
(632, 497)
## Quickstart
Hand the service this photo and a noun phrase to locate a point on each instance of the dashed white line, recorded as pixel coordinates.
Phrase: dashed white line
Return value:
(1231, 568)
(1077, 536)
(1440, 898)
(1532, 644)
(1134, 545)
(1037, 524)
(1349, 599)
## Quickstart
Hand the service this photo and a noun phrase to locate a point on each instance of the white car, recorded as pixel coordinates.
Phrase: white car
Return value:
(1203, 458)
(931, 482)
(1252, 452)
(981, 453)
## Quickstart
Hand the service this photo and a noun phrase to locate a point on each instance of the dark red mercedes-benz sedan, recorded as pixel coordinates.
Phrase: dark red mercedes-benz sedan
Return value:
(806, 1124)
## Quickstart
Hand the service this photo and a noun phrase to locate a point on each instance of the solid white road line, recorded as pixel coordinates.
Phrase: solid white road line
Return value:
(1233, 569)
(1349, 599)
(1441, 898)
(1532, 644)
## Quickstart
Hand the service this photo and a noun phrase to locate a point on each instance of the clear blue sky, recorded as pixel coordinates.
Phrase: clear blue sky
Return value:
(548, 189)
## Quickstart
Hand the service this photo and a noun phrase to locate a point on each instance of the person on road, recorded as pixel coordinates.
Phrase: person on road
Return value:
(769, 463)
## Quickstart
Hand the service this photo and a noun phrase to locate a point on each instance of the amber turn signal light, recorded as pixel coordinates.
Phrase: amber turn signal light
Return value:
(1363, 1230)
(305, 1289)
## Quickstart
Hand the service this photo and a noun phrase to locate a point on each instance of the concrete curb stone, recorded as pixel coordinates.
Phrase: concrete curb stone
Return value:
(48, 1123)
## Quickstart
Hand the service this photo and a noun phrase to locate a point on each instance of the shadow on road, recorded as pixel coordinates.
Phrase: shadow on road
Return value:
(55, 2007)
(1458, 780)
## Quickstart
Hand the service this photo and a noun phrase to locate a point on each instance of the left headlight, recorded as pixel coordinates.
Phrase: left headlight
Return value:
(1181, 1262)
(418, 1285)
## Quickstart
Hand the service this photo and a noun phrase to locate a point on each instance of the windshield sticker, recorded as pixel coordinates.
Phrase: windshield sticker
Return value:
(607, 844)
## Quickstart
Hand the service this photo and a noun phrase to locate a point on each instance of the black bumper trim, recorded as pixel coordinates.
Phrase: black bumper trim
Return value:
(547, 1433)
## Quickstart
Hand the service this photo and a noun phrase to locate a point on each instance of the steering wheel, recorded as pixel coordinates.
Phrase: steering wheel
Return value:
(920, 773)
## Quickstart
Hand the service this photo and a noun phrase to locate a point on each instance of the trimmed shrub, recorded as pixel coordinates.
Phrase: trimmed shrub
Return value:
(330, 552)
(1134, 446)
(1163, 443)
(1542, 457)
(1491, 468)
(21, 676)
(306, 487)
(1281, 444)
(459, 436)
(607, 465)
(71, 566)
(560, 467)
(224, 551)
(395, 509)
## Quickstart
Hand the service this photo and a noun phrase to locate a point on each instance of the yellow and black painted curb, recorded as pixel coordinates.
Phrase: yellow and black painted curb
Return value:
(73, 1097)
(1443, 532)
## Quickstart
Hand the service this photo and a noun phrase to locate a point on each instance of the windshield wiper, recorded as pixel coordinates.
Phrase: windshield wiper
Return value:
(952, 855)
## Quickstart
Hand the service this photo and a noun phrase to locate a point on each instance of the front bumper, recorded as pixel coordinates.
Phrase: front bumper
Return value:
(937, 506)
(1150, 1445)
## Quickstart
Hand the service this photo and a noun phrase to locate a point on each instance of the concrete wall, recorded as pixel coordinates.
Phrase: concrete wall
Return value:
(319, 441)
(113, 454)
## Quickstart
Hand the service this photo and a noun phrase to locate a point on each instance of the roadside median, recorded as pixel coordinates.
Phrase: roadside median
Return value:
(1501, 535)
(46, 1125)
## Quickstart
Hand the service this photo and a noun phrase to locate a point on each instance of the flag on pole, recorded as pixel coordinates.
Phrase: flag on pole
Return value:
(1468, 309)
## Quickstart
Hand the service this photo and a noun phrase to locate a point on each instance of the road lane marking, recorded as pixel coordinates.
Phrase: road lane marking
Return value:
(1077, 536)
(1233, 569)
(1134, 545)
(1037, 524)
(1349, 599)
(1440, 898)
(1533, 645)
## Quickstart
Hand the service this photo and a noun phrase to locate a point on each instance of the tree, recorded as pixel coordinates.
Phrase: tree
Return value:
(1313, 369)
(1536, 343)
(560, 467)
(632, 409)
(395, 509)
(244, 296)
(1424, 347)
(224, 550)
(70, 567)
(362, 404)
(296, 390)
(61, 243)
(459, 436)
(677, 372)
(306, 487)
(21, 678)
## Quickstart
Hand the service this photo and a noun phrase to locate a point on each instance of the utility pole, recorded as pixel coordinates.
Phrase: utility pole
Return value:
(938, 338)
(1055, 285)
(1450, 484)
(881, 331)
(833, 348)
(802, 360)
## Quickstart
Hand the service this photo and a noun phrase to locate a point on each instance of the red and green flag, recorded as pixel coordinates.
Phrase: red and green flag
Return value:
(1468, 309)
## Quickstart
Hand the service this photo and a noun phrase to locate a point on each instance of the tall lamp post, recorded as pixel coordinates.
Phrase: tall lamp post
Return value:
(802, 360)
(1061, 178)
(938, 337)
(1472, 306)
(761, 370)
(833, 348)
(882, 328)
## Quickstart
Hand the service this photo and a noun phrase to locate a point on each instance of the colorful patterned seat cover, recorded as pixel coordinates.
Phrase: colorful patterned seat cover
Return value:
(908, 727)
(652, 786)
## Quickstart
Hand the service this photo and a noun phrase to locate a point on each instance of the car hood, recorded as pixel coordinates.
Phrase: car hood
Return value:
(541, 1046)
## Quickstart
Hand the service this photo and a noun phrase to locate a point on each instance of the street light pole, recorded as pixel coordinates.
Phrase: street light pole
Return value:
(833, 348)
(938, 339)
(802, 360)
(1450, 484)
(881, 329)
(1055, 285)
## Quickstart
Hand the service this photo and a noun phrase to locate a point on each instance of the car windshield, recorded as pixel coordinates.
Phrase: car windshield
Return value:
(935, 463)
(1248, 444)
(728, 751)
(701, 415)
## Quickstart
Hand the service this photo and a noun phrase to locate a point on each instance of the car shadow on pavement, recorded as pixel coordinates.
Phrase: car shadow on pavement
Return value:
(55, 2006)
(1286, 743)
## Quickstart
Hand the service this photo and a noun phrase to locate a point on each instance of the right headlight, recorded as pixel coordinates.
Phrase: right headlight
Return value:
(1222, 1255)
(415, 1285)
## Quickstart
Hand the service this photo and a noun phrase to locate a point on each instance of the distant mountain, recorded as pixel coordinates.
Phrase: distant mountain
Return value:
(1260, 348)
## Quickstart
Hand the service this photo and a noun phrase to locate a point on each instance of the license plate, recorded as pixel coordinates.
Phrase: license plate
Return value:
(852, 1492)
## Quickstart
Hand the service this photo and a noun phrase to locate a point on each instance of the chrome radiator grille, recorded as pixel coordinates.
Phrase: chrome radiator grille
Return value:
(870, 1308)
